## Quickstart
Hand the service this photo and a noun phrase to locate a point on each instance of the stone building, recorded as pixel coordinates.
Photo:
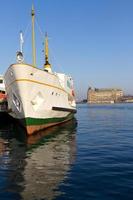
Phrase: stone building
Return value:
(111, 95)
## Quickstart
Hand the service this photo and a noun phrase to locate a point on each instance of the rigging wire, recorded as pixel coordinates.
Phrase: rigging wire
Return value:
(40, 30)
(25, 35)
(26, 29)
(50, 50)
(57, 64)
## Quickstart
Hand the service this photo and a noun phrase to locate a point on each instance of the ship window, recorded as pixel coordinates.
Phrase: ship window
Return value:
(1, 81)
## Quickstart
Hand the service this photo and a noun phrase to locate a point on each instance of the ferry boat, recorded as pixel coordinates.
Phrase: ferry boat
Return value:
(38, 98)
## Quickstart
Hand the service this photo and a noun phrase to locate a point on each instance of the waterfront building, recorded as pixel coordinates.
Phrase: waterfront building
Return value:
(107, 95)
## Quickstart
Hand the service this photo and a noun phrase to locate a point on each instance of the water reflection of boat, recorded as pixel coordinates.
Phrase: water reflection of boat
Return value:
(40, 164)
(48, 164)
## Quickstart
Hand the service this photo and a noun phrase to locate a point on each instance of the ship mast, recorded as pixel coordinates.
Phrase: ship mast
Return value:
(33, 37)
(47, 64)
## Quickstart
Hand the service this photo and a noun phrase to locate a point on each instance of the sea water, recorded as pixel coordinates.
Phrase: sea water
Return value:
(90, 157)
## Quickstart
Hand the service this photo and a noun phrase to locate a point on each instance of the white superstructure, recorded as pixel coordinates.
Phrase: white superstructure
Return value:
(2, 85)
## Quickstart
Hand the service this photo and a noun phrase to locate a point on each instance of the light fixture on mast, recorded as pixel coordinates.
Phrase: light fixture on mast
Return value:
(20, 57)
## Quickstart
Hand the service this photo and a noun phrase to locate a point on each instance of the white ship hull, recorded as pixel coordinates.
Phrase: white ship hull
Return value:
(38, 98)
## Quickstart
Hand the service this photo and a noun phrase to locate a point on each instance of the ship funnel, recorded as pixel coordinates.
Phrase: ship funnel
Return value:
(47, 65)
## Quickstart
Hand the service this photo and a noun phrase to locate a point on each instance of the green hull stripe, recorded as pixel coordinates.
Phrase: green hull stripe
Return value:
(35, 121)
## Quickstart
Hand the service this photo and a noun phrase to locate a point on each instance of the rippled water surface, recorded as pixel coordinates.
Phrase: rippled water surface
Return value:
(90, 159)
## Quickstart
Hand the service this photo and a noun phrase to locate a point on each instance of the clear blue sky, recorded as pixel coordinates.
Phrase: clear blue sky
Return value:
(90, 39)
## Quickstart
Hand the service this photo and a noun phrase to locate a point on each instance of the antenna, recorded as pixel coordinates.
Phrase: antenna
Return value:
(21, 41)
